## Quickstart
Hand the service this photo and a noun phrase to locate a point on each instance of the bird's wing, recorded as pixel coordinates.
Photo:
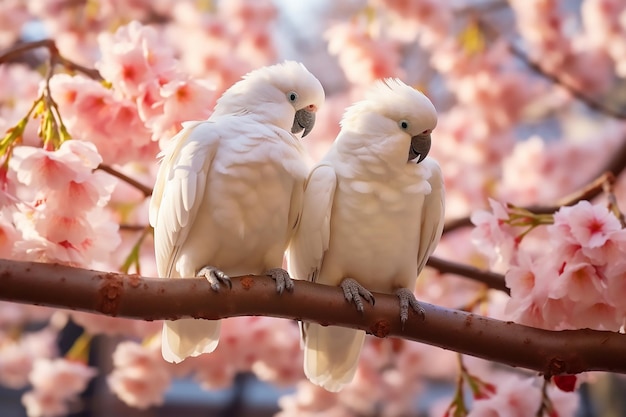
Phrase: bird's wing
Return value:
(432, 216)
(179, 189)
(312, 235)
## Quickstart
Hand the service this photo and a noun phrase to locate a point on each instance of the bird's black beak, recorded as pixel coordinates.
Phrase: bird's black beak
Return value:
(420, 146)
(304, 120)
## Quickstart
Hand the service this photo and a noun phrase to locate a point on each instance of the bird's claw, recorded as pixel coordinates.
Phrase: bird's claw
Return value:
(282, 278)
(353, 292)
(407, 298)
(215, 277)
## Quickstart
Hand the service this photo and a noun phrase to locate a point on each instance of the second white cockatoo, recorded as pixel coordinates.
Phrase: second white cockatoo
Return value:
(229, 191)
(372, 215)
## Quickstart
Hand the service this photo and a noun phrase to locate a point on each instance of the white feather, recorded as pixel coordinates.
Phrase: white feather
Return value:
(368, 214)
(229, 191)
(313, 233)
(432, 214)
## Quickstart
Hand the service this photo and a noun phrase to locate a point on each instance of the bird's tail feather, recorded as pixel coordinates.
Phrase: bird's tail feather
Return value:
(189, 337)
(331, 355)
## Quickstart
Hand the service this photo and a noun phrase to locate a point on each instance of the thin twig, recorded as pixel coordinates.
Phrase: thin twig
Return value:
(493, 280)
(147, 191)
(579, 95)
(132, 227)
(481, 8)
(588, 192)
(613, 205)
(49, 44)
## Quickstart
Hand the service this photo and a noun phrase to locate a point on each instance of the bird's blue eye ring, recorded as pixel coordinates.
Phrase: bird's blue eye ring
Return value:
(292, 96)
(404, 125)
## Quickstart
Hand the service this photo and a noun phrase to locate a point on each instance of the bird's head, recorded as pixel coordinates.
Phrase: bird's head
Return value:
(285, 94)
(399, 115)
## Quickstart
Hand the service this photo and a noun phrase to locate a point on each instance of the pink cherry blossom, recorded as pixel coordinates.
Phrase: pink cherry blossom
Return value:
(8, 235)
(134, 57)
(575, 281)
(257, 46)
(362, 56)
(44, 404)
(428, 20)
(41, 169)
(41, 343)
(311, 400)
(530, 282)
(580, 281)
(214, 371)
(243, 14)
(182, 100)
(50, 229)
(521, 277)
(140, 377)
(520, 397)
(55, 383)
(71, 240)
(13, 14)
(61, 377)
(93, 113)
(603, 21)
(492, 234)
(15, 365)
(589, 226)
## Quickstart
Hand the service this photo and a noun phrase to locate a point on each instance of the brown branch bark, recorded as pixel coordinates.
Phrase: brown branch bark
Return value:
(147, 191)
(493, 280)
(132, 296)
(612, 169)
(556, 79)
(56, 57)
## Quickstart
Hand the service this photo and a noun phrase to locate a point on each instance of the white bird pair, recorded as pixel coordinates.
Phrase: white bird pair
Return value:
(233, 192)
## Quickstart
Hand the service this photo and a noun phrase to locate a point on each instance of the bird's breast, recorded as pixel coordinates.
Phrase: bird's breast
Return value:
(375, 232)
(242, 223)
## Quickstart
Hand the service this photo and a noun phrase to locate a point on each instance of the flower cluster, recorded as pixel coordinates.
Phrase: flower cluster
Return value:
(140, 376)
(522, 397)
(604, 22)
(56, 383)
(60, 216)
(362, 56)
(543, 25)
(572, 277)
(148, 99)
(143, 70)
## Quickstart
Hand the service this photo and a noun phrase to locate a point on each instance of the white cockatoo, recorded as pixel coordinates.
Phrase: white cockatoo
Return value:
(372, 215)
(229, 191)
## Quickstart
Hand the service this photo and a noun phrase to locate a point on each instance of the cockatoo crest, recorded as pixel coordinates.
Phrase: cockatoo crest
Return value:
(275, 93)
(393, 100)
(389, 127)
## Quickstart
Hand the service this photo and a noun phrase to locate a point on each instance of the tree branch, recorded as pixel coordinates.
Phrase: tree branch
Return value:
(613, 168)
(579, 95)
(493, 280)
(147, 191)
(132, 296)
(56, 57)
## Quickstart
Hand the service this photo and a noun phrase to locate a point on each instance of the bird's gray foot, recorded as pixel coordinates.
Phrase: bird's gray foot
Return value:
(407, 298)
(215, 277)
(282, 278)
(353, 291)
